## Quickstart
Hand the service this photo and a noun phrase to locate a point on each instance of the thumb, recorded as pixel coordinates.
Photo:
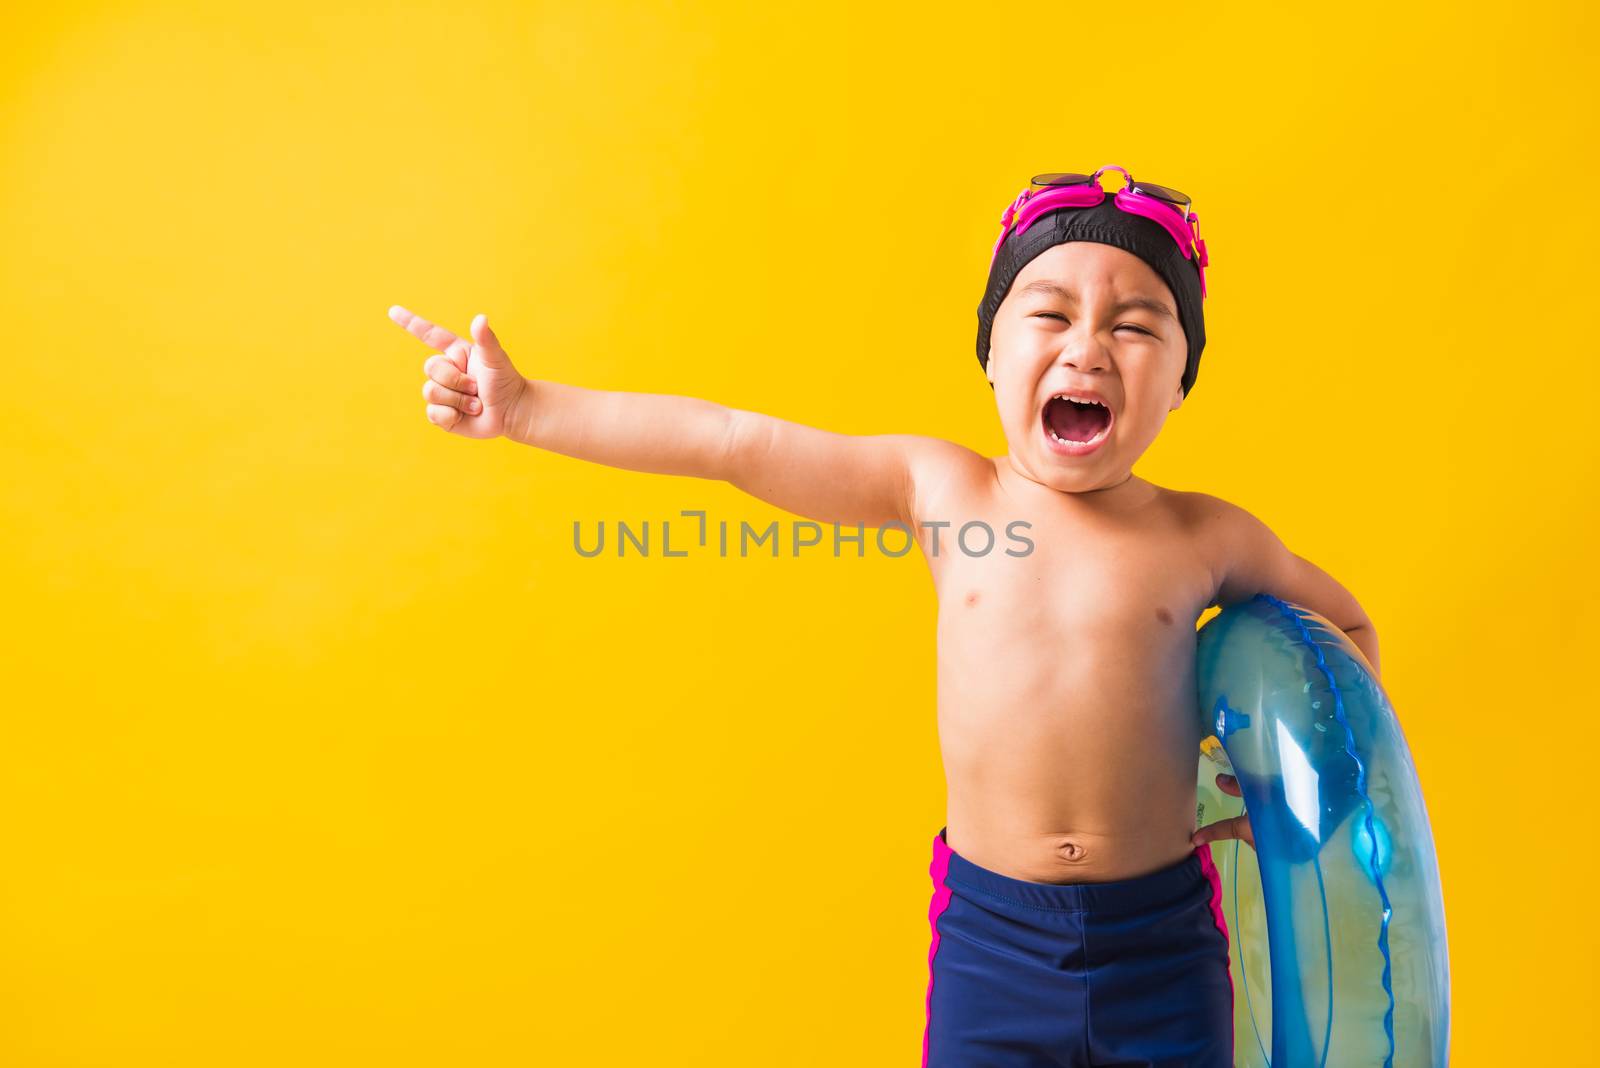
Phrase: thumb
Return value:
(488, 346)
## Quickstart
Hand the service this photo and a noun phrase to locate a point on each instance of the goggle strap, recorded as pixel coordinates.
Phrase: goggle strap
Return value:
(1202, 258)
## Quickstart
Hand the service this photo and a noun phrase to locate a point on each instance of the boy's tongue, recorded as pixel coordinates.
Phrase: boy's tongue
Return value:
(1073, 421)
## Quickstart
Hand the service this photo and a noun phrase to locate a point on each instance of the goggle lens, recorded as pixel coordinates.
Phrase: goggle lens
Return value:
(1161, 192)
(1062, 179)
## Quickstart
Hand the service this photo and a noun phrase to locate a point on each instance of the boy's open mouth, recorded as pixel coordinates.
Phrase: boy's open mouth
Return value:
(1076, 422)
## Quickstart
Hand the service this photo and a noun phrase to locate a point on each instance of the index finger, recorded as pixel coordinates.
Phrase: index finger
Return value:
(435, 337)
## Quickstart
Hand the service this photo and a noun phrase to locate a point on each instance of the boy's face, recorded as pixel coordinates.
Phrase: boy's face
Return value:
(1045, 342)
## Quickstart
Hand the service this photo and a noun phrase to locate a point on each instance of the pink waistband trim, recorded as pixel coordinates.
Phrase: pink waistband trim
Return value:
(940, 902)
(1209, 867)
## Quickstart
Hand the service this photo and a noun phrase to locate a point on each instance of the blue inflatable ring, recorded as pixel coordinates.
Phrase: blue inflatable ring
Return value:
(1336, 920)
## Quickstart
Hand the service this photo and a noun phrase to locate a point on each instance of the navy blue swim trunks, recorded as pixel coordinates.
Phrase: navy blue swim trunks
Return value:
(1131, 973)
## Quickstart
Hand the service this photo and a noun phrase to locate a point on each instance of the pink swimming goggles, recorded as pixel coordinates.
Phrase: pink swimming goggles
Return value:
(1157, 203)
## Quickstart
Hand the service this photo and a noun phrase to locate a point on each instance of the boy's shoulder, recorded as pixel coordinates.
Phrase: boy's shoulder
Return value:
(929, 455)
(943, 473)
(1225, 533)
(1208, 513)
(1246, 557)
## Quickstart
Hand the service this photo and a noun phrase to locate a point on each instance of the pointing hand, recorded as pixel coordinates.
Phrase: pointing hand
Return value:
(472, 387)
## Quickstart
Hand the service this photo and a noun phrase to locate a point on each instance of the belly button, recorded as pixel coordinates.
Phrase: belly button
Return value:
(1071, 851)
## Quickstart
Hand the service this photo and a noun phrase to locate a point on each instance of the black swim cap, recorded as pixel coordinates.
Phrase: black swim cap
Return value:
(1109, 225)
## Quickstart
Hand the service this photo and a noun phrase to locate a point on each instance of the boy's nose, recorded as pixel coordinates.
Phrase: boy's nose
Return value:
(1084, 355)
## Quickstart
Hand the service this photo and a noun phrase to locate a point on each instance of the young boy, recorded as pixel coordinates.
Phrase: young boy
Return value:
(1075, 918)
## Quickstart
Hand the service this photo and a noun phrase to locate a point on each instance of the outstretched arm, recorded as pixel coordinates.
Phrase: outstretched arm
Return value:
(1251, 559)
(475, 391)
(818, 474)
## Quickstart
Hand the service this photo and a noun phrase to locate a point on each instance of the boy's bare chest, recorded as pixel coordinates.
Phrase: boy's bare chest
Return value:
(1077, 569)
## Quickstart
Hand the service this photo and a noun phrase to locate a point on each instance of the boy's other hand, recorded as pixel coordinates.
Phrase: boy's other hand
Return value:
(1236, 827)
(472, 387)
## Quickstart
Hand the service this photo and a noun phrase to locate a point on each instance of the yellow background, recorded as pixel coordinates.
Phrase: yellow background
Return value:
(323, 747)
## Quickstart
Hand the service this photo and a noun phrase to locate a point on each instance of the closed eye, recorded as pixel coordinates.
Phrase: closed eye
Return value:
(1063, 318)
